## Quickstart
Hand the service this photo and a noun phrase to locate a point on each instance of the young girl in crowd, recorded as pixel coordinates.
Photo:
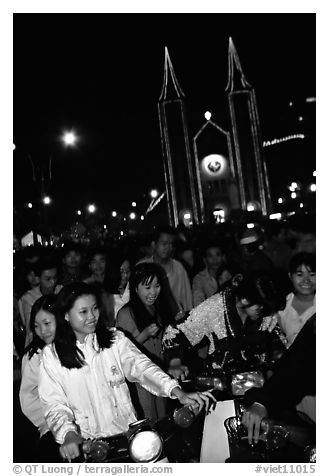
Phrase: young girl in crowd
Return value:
(144, 318)
(300, 304)
(43, 328)
(82, 374)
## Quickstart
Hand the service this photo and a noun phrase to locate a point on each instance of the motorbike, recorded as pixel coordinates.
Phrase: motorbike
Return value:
(144, 442)
(286, 440)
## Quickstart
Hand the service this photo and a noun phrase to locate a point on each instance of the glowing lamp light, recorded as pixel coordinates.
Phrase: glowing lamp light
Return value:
(301, 205)
(250, 225)
(313, 187)
(145, 446)
(46, 200)
(293, 195)
(91, 208)
(142, 217)
(133, 204)
(250, 207)
(104, 227)
(29, 205)
(280, 200)
(132, 216)
(294, 185)
(291, 103)
(78, 212)
(154, 193)
(69, 138)
(114, 213)
(187, 216)
(121, 233)
(300, 118)
(275, 216)
(207, 115)
(314, 173)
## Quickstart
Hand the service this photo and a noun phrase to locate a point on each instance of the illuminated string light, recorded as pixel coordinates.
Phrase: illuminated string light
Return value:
(154, 203)
(275, 216)
(283, 139)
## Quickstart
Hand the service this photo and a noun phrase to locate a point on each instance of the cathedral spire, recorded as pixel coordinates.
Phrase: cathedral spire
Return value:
(236, 78)
(170, 87)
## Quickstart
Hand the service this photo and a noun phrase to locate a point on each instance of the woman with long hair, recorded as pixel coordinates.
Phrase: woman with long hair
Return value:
(83, 374)
(143, 319)
(43, 329)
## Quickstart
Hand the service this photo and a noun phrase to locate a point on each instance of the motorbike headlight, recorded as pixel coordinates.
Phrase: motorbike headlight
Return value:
(145, 446)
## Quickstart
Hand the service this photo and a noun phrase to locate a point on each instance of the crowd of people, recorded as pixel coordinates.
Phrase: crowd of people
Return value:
(106, 334)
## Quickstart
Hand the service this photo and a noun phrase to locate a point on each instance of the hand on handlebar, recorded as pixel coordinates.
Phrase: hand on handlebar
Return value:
(252, 419)
(196, 400)
(70, 448)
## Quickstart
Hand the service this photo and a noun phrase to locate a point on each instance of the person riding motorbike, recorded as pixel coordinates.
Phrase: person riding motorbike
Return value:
(82, 383)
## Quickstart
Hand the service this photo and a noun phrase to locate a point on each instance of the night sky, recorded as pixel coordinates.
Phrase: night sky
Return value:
(101, 74)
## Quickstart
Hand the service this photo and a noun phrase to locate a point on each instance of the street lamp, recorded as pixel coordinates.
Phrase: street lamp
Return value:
(91, 208)
(154, 193)
(114, 213)
(46, 200)
(69, 138)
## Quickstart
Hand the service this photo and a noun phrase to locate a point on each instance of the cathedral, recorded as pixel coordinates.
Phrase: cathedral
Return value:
(210, 175)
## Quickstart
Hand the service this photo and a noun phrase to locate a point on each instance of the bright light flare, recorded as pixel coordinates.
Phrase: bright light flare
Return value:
(154, 193)
(91, 208)
(46, 200)
(69, 138)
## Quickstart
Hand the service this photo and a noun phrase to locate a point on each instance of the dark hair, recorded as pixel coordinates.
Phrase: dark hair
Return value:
(303, 258)
(44, 264)
(44, 303)
(260, 288)
(96, 250)
(168, 230)
(71, 246)
(144, 273)
(68, 353)
(211, 244)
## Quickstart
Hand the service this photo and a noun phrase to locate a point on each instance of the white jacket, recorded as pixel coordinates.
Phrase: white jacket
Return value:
(28, 393)
(94, 400)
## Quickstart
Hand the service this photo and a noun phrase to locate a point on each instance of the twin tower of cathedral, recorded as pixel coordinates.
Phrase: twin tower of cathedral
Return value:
(210, 175)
